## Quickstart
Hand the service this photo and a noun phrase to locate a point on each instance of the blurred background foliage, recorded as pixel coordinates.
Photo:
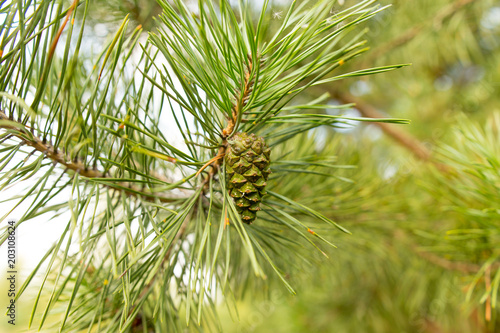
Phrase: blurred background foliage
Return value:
(423, 201)
(424, 208)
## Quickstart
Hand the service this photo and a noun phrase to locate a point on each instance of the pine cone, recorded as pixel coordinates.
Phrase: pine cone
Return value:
(247, 170)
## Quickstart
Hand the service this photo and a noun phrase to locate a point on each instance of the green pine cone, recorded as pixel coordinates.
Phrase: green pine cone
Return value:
(247, 169)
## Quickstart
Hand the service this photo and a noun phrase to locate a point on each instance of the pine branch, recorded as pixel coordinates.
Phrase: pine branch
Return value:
(464, 267)
(57, 156)
(220, 71)
(236, 113)
(414, 31)
(404, 139)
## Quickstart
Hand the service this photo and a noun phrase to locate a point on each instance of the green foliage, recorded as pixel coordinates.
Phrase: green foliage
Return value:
(424, 255)
(157, 233)
(471, 193)
(125, 131)
(365, 287)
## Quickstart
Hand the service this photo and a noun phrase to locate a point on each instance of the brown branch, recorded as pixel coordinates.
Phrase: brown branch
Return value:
(367, 110)
(417, 148)
(57, 156)
(240, 102)
(406, 140)
(464, 267)
(414, 31)
(487, 282)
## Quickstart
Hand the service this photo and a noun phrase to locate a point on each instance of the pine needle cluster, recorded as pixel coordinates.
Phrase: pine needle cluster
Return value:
(158, 232)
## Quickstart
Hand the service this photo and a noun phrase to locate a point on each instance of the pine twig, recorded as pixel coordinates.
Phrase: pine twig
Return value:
(57, 156)
(215, 162)
(214, 159)
(228, 131)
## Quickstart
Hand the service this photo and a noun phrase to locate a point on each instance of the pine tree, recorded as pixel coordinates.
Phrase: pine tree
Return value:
(159, 227)
(139, 138)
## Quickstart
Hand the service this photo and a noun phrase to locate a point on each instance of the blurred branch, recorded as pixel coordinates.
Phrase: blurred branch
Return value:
(413, 32)
(447, 264)
(406, 140)
(143, 13)
(487, 282)
(58, 156)
(464, 267)
(403, 138)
